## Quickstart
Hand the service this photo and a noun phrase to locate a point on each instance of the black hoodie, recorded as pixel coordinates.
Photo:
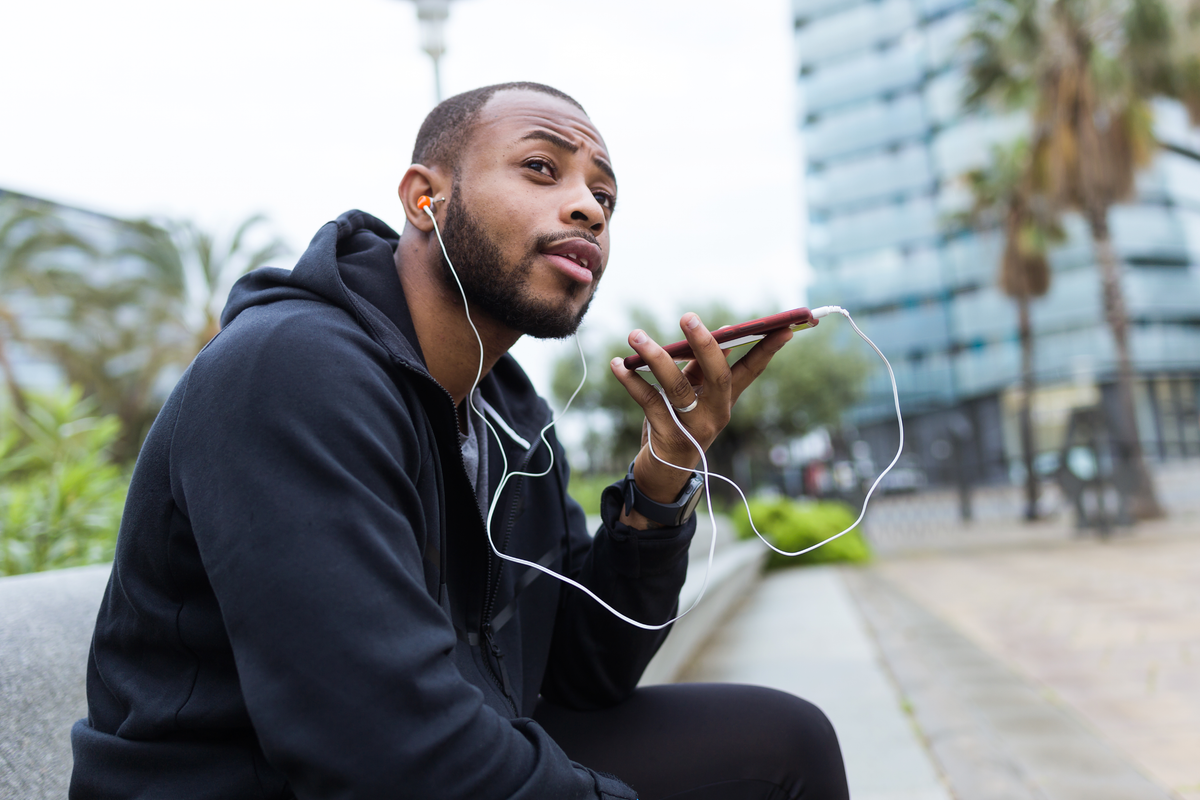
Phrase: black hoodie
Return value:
(303, 601)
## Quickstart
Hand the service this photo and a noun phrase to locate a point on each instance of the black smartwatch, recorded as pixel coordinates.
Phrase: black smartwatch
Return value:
(669, 515)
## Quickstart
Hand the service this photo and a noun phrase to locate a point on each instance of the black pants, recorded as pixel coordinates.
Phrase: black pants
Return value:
(707, 741)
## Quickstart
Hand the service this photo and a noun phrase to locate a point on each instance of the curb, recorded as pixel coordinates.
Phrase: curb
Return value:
(736, 568)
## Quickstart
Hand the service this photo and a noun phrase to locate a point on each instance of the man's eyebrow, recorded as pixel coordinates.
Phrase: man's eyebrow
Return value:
(552, 138)
(605, 168)
(563, 144)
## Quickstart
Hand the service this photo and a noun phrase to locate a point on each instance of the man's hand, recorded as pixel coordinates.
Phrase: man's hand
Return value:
(709, 380)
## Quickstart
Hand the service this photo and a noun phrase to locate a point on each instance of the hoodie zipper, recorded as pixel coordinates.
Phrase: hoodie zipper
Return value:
(497, 671)
(493, 589)
(503, 682)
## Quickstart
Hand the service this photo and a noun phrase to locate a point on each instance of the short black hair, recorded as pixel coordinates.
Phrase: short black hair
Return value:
(450, 124)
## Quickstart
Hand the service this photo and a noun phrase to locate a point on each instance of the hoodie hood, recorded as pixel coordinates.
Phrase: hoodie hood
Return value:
(349, 260)
(352, 259)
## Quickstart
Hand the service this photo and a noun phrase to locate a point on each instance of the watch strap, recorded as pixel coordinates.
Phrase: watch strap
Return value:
(666, 514)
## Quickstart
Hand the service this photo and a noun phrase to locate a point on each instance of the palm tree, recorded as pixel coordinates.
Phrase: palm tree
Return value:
(189, 265)
(1086, 69)
(116, 337)
(141, 311)
(29, 231)
(1003, 197)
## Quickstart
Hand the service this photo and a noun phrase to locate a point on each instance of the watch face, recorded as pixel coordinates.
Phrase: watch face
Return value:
(673, 514)
(697, 486)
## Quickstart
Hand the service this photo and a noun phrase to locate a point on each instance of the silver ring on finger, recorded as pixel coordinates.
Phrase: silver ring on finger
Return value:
(684, 409)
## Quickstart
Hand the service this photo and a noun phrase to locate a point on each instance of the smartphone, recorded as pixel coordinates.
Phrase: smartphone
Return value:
(737, 335)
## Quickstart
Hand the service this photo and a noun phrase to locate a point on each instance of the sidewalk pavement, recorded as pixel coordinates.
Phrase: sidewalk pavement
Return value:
(799, 631)
(1057, 670)
(1107, 634)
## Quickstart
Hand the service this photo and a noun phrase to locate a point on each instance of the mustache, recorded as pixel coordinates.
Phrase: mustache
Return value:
(547, 239)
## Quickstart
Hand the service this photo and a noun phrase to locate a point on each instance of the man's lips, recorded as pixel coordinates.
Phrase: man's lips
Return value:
(578, 258)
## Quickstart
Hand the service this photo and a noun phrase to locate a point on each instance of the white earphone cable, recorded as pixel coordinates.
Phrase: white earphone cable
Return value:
(818, 313)
(704, 471)
(542, 436)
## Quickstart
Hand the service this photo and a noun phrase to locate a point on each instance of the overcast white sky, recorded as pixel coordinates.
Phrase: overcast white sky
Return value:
(305, 108)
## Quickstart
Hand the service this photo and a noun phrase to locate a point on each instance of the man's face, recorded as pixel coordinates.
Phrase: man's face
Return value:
(526, 225)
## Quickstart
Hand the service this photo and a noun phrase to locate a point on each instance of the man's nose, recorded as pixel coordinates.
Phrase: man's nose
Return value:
(584, 209)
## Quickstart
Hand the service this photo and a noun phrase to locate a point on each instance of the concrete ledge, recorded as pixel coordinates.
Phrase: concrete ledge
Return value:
(47, 619)
(735, 570)
(46, 623)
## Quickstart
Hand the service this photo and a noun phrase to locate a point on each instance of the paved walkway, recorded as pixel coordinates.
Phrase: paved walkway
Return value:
(1058, 670)
(1108, 632)
(800, 631)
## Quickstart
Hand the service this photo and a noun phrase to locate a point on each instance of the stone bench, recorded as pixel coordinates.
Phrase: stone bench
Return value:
(46, 622)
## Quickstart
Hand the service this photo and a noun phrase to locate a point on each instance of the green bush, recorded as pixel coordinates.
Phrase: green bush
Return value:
(792, 526)
(60, 494)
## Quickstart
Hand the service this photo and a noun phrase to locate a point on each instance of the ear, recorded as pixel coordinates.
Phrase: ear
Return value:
(421, 180)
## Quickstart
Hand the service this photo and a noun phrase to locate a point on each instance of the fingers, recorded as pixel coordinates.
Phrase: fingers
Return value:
(674, 384)
(678, 391)
(642, 392)
(746, 370)
(669, 442)
(694, 374)
(708, 379)
(711, 362)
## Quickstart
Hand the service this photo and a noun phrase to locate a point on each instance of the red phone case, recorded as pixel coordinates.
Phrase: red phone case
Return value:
(682, 351)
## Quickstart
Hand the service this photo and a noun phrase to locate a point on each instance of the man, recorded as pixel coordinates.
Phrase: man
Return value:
(304, 601)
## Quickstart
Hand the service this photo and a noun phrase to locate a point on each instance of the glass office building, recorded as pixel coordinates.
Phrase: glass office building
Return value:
(886, 144)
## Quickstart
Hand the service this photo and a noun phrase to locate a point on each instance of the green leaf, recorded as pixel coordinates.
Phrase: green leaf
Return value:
(62, 495)
(793, 526)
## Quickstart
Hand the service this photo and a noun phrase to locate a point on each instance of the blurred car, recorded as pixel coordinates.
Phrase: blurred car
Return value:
(905, 477)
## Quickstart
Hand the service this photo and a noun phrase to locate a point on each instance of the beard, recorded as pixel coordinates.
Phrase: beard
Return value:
(499, 290)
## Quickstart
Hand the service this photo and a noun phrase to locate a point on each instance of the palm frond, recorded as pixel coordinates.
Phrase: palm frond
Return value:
(1004, 197)
(118, 321)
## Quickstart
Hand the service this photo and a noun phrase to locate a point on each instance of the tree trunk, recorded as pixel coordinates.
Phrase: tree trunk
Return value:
(1143, 499)
(1025, 330)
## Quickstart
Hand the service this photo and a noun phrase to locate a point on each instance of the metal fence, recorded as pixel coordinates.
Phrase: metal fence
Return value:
(934, 519)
